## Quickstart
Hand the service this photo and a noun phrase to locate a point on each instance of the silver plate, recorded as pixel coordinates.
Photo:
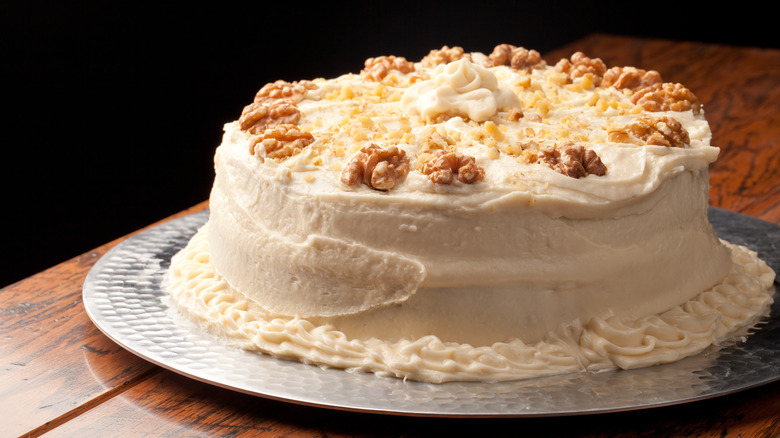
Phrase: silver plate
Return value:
(123, 297)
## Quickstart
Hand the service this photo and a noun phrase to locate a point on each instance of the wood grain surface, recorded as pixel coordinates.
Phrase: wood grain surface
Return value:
(60, 376)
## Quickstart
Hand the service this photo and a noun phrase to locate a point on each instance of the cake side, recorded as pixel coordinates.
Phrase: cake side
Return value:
(523, 274)
(727, 309)
(525, 224)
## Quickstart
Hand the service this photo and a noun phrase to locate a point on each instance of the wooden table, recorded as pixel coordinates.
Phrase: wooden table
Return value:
(60, 376)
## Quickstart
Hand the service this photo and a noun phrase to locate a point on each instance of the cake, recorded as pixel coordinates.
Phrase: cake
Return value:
(469, 217)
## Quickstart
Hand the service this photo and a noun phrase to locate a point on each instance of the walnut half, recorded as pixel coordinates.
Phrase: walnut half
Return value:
(443, 168)
(666, 97)
(293, 92)
(519, 58)
(659, 131)
(280, 142)
(274, 104)
(445, 55)
(261, 115)
(573, 160)
(377, 68)
(377, 167)
(579, 65)
(631, 78)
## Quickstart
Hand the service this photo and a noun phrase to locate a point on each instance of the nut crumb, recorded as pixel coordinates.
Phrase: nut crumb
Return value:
(572, 160)
(533, 117)
(514, 114)
(437, 141)
(377, 167)
(280, 142)
(442, 168)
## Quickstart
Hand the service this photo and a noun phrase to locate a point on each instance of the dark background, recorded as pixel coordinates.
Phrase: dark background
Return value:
(112, 110)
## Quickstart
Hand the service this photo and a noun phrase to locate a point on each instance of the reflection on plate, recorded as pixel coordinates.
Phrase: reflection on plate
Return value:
(123, 297)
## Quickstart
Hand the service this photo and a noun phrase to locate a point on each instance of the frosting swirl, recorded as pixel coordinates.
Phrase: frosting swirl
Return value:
(460, 88)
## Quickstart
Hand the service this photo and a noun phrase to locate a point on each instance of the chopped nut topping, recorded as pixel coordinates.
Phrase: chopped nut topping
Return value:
(293, 92)
(445, 55)
(376, 167)
(572, 160)
(281, 141)
(666, 97)
(259, 116)
(377, 68)
(442, 168)
(557, 116)
(519, 58)
(580, 65)
(660, 131)
(514, 114)
(437, 141)
(534, 117)
(630, 78)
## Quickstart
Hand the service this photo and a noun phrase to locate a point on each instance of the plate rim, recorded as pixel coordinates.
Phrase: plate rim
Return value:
(176, 228)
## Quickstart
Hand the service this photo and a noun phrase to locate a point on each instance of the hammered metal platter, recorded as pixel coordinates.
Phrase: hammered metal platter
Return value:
(123, 296)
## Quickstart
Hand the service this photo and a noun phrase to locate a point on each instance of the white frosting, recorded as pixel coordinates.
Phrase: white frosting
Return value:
(601, 343)
(493, 271)
(460, 88)
(513, 268)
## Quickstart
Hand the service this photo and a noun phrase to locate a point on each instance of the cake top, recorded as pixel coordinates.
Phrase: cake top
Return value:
(465, 123)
